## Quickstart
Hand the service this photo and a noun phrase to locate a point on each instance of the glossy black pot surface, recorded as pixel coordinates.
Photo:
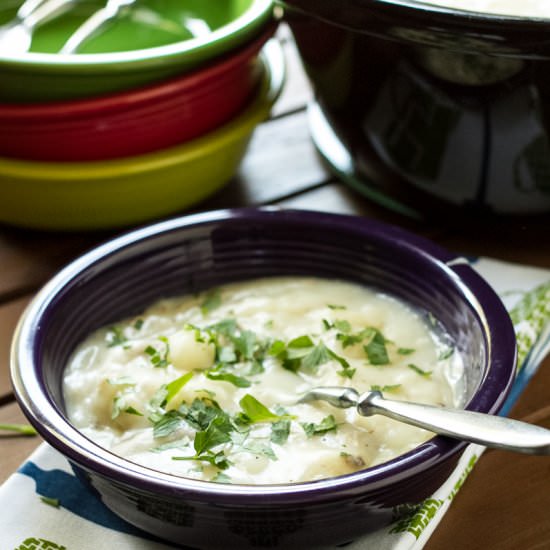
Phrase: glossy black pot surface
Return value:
(442, 112)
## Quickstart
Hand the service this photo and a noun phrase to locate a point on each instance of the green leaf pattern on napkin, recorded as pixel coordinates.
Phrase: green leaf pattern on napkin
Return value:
(417, 520)
(530, 316)
(39, 544)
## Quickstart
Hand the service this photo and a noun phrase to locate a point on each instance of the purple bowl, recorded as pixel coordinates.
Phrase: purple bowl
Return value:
(189, 254)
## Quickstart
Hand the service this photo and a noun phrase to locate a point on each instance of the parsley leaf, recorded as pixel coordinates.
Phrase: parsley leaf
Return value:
(212, 300)
(254, 411)
(418, 370)
(201, 412)
(173, 388)
(376, 351)
(340, 324)
(215, 434)
(326, 425)
(220, 477)
(388, 388)
(445, 354)
(219, 460)
(169, 423)
(258, 447)
(280, 431)
(317, 356)
(21, 429)
(50, 501)
(115, 337)
(119, 405)
(158, 358)
(348, 340)
(132, 410)
(238, 381)
(278, 347)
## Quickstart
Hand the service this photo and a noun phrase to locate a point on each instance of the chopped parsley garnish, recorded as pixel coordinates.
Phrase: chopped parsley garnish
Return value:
(121, 381)
(132, 410)
(173, 388)
(341, 325)
(120, 406)
(326, 425)
(336, 306)
(138, 324)
(388, 388)
(376, 351)
(234, 379)
(405, 351)
(280, 431)
(215, 434)
(115, 337)
(348, 339)
(445, 354)
(201, 412)
(257, 447)
(233, 346)
(21, 429)
(159, 358)
(302, 353)
(418, 370)
(169, 423)
(254, 411)
(220, 477)
(212, 300)
(165, 423)
(50, 501)
(219, 459)
(214, 428)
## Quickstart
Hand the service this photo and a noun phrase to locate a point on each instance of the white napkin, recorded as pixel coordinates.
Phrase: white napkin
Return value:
(44, 507)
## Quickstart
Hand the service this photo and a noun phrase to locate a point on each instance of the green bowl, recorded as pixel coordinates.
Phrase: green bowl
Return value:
(117, 193)
(151, 41)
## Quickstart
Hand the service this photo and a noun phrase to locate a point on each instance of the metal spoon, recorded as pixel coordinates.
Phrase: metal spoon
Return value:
(94, 24)
(485, 429)
(16, 36)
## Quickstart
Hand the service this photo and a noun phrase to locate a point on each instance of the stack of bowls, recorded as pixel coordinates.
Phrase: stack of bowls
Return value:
(152, 115)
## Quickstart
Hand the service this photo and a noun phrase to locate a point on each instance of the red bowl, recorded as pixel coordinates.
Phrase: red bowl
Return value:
(134, 122)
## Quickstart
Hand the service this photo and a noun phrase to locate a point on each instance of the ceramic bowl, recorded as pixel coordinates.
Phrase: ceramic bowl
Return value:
(138, 121)
(119, 192)
(442, 112)
(152, 41)
(193, 253)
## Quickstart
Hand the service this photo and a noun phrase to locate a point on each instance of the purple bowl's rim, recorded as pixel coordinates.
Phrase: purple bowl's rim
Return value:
(56, 430)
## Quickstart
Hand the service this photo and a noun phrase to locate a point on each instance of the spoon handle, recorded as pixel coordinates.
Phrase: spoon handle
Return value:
(488, 430)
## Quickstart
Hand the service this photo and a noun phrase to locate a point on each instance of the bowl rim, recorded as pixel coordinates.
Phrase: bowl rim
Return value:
(168, 89)
(74, 173)
(257, 12)
(56, 430)
(462, 15)
(426, 5)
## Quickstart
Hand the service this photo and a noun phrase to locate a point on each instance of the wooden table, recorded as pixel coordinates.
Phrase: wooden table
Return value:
(505, 502)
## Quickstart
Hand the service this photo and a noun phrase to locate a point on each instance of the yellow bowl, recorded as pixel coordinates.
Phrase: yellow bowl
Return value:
(116, 193)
